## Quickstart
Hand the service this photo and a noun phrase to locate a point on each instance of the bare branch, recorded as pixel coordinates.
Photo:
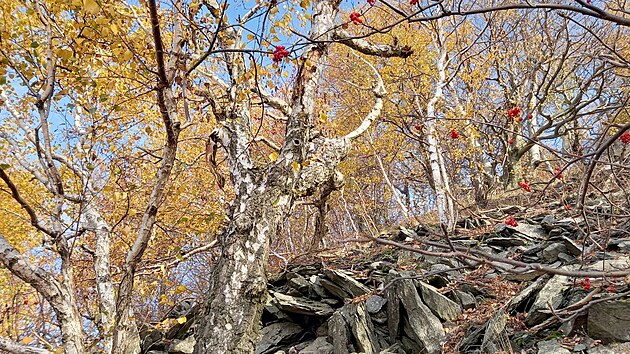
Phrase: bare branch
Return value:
(365, 47)
(273, 101)
(24, 204)
(17, 348)
(379, 91)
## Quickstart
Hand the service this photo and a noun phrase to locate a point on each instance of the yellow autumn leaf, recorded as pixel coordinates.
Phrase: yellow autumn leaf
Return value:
(296, 166)
(91, 7)
(273, 156)
(64, 54)
(27, 340)
(127, 55)
(182, 320)
(114, 28)
(250, 37)
(323, 117)
(180, 289)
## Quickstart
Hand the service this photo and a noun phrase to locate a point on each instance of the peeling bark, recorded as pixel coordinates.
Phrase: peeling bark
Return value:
(443, 200)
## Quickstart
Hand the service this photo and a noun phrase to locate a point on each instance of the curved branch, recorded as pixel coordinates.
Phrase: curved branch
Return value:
(590, 11)
(27, 207)
(379, 92)
(11, 346)
(365, 47)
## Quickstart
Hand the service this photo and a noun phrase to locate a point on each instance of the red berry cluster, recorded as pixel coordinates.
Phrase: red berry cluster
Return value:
(525, 185)
(355, 17)
(511, 141)
(558, 172)
(413, 2)
(585, 284)
(371, 2)
(625, 138)
(454, 134)
(514, 112)
(280, 53)
(510, 221)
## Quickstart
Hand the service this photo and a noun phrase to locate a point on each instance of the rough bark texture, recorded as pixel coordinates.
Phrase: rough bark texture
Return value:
(57, 294)
(102, 268)
(17, 348)
(263, 196)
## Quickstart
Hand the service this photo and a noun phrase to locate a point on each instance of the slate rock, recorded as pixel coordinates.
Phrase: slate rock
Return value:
(580, 347)
(531, 232)
(615, 348)
(610, 321)
(393, 306)
(408, 344)
(314, 282)
(525, 275)
(375, 303)
(494, 338)
(301, 305)
(276, 334)
(506, 242)
(334, 289)
(152, 339)
(611, 264)
(361, 326)
(318, 346)
(573, 248)
(466, 300)
(624, 246)
(182, 308)
(550, 294)
(551, 252)
(425, 326)
(361, 331)
(520, 302)
(306, 270)
(394, 349)
(566, 258)
(472, 340)
(442, 306)
(469, 288)
(339, 332)
(551, 347)
(548, 222)
(298, 282)
(523, 340)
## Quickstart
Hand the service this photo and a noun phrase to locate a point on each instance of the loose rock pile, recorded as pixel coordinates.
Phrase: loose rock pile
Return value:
(403, 302)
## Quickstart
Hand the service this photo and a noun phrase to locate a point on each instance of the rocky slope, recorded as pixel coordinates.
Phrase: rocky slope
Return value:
(535, 286)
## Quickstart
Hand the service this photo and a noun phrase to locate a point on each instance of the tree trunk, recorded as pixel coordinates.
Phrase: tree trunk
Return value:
(443, 201)
(238, 284)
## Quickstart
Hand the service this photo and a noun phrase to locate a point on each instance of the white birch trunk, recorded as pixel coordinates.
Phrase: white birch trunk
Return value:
(438, 171)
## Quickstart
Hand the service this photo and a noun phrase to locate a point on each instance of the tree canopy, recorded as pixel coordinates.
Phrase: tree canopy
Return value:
(154, 151)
